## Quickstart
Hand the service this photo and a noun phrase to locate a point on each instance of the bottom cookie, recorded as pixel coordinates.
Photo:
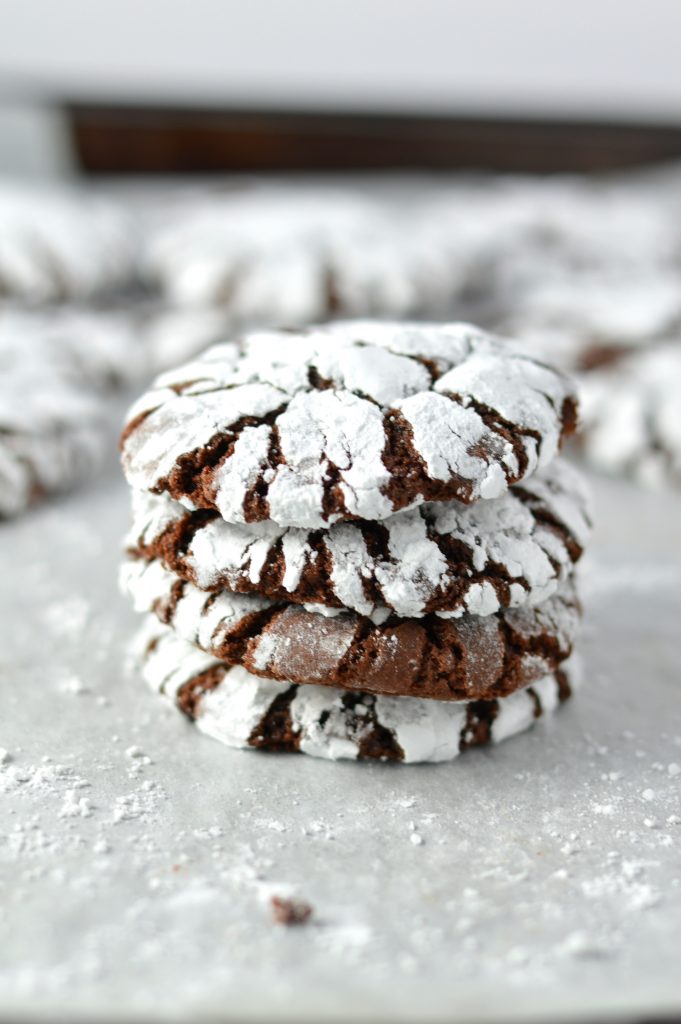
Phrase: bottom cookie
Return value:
(242, 710)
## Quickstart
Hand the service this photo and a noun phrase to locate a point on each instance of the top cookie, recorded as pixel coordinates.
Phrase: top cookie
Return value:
(348, 420)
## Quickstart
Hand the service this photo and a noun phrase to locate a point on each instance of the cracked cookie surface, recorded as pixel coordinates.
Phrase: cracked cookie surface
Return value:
(352, 420)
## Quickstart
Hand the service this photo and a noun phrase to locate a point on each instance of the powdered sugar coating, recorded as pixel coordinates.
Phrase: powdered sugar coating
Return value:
(443, 659)
(443, 556)
(330, 723)
(57, 245)
(349, 420)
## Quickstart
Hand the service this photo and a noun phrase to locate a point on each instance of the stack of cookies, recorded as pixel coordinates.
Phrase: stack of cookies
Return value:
(357, 540)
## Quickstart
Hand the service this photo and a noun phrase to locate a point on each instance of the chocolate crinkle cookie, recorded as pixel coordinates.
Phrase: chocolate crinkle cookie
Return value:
(57, 245)
(297, 255)
(57, 371)
(357, 540)
(632, 416)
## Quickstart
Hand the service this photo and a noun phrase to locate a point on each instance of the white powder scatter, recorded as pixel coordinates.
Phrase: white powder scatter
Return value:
(75, 806)
(43, 780)
(72, 684)
(346, 939)
(626, 881)
(318, 828)
(582, 944)
(415, 837)
(142, 804)
(211, 832)
(67, 618)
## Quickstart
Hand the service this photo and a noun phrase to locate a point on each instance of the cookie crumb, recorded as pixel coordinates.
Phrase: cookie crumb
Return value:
(5, 757)
(289, 911)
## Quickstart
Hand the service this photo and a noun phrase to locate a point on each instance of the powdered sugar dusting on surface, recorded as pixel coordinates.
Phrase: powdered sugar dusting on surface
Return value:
(543, 874)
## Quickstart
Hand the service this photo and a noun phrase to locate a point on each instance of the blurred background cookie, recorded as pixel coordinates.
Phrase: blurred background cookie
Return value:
(59, 243)
(632, 416)
(59, 371)
(294, 255)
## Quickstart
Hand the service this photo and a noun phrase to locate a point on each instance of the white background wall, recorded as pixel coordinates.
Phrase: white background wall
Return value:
(615, 59)
(618, 58)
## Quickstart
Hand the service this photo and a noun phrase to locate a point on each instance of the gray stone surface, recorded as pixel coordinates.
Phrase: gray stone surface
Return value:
(538, 880)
